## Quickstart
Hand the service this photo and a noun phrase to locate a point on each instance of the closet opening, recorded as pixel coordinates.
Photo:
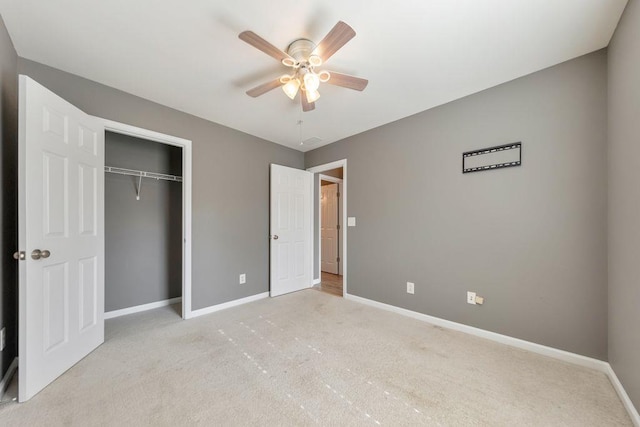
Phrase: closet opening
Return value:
(144, 233)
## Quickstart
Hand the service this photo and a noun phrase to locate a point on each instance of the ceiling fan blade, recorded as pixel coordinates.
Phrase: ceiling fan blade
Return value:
(264, 88)
(339, 35)
(345, 80)
(306, 105)
(261, 44)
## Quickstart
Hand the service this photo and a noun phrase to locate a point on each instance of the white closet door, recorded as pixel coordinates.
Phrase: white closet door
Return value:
(61, 231)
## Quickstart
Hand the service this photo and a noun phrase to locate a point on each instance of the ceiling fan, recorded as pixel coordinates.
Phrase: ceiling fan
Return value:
(304, 57)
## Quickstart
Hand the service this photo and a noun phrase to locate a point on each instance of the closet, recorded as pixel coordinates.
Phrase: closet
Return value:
(143, 224)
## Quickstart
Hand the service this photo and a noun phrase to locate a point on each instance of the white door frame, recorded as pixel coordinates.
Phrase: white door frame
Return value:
(343, 223)
(339, 182)
(185, 144)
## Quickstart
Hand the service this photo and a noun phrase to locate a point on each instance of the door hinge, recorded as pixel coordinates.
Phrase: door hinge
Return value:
(337, 194)
(20, 255)
(338, 227)
(338, 259)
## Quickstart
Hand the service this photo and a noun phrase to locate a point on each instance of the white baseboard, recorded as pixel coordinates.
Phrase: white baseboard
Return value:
(229, 304)
(622, 394)
(6, 380)
(316, 281)
(139, 308)
(493, 336)
(563, 355)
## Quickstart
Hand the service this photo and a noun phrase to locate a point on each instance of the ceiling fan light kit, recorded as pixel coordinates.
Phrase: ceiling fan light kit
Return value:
(312, 95)
(291, 87)
(304, 56)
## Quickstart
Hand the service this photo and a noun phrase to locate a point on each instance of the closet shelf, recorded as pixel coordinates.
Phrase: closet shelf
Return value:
(142, 174)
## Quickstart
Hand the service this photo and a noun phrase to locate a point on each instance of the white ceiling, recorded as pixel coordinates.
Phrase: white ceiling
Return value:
(417, 54)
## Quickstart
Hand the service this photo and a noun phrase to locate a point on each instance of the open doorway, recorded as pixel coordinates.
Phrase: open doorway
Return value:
(143, 225)
(330, 237)
(147, 221)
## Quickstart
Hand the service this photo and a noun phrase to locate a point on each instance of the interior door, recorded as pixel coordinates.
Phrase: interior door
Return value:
(61, 231)
(291, 229)
(329, 228)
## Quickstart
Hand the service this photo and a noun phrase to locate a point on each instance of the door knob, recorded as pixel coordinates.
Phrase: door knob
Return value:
(19, 255)
(275, 237)
(37, 254)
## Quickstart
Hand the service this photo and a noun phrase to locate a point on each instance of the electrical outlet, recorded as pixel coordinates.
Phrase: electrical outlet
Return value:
(2, 338)
(471, 298)
(243, 279)
(410, 288)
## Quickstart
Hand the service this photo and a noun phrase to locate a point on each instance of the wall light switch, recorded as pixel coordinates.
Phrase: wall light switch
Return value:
(243, 279)
(351, 221)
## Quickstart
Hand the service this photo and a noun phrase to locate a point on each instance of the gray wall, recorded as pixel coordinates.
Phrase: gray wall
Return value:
(9, 199)
(530, 239)
(230, 183)
(143, 249)
(624, 201)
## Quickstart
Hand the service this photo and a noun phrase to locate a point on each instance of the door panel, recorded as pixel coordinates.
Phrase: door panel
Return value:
(88, 140)
(60, 210)
(329, 228)
(56, 302)
(88, 292)
(291, 191)
(55, 174)
(88, 181)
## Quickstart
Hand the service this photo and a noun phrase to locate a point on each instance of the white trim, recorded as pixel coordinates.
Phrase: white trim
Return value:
(343, 224)
(330, 178)
(229, 304)
(125, 129)
(162, 138)
(6, 380)
(316, 281)
(318, 244)
(328, 166)
(622, 394)
(311, 225)
(341, 251)
(566, 356)
(139, 308)
(576, 359)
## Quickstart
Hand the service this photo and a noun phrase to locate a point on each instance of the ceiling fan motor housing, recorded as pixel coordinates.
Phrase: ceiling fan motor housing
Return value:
(301, 49)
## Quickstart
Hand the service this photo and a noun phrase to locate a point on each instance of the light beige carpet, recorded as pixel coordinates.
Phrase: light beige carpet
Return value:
(310, 358)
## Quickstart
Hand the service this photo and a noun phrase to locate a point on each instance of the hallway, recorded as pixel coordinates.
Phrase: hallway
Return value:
(331, 283)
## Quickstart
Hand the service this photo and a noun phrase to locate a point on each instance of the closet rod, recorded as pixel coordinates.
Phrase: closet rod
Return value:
(142, 174)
